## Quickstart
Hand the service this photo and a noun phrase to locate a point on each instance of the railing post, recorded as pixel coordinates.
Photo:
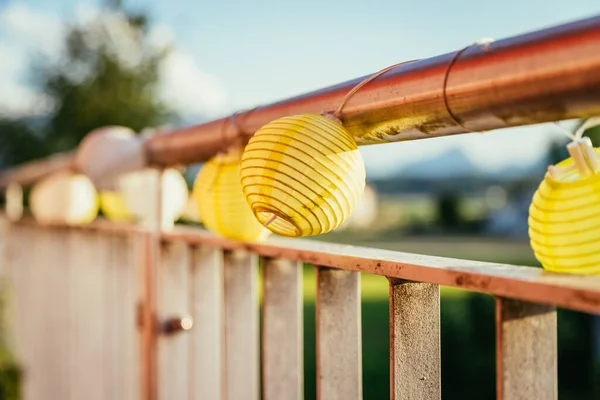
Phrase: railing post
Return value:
(282, 332)
(526, 350)
(149, 253)
(415, 353)
(207, 367)
(242, 356)
(339, 344)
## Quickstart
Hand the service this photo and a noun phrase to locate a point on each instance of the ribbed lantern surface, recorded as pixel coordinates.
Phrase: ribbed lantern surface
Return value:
(564, 222)
(302, 175)
(221, 203)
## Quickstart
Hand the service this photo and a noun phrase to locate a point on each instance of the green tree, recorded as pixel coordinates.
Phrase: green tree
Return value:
(108, 75)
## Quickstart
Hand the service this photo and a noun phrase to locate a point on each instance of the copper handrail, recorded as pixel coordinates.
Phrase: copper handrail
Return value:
(547, 75)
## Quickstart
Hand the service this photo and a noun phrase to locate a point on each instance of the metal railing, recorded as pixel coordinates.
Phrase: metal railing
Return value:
(112, 297)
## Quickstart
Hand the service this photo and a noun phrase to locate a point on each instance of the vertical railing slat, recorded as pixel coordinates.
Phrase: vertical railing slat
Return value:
(206, 341)
(282, 332)
(415, 351)
(20, 254)
(526, 350)
(121, 301)
(173, 298)
(88, 316)
(339, 354)
(242, 355)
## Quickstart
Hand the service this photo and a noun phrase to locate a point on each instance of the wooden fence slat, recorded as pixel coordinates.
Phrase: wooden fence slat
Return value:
(242, 355)
(122, 340)
(88, 322)
(339, 354)
(415, 351)
(526, 350)
(282, 332)
(19, 256)
(206, 338)
(46, 270)
(173, 297)
(55, 271)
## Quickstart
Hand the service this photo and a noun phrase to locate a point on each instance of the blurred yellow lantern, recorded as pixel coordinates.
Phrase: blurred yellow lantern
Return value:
(302, 175)
(221, 203)
(140, 193)
(114, 207)
(564, 216)
(191, 212)
(64, 198)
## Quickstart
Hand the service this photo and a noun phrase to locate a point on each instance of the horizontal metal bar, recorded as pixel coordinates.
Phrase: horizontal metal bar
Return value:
(577, 292)
(33, 171)
(543, 76)
(532, 284)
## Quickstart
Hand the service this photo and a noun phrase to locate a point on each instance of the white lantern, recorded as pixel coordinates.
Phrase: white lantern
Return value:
(64, 198)
(140, 191)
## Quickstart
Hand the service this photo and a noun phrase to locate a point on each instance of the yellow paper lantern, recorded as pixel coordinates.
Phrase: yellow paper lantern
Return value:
(191, 212)
(221, 203)
(302, 175)
(564, 216)
(114, 207)
(64, 198)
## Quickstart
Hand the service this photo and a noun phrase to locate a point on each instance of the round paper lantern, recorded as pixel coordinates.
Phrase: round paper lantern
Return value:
(302, 175)
(191, 212)
(114, 207)
(221, 203)
(139, 190)
(564, 216)
(64, 198)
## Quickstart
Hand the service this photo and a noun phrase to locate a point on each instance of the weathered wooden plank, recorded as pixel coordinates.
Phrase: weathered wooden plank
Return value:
(206, 339)
(415, 352)
(19, 256)
(88, 316)
(122, 337)
(282, 330)
(339, 344)
(173, 297)
(242, 357)
(526, 350)
(38, 265)
(531, 284)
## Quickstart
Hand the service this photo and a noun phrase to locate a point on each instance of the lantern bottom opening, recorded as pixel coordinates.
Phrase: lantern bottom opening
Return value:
(278, 222)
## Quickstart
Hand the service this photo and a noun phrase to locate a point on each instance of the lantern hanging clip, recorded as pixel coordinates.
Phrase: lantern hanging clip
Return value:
(585, 160)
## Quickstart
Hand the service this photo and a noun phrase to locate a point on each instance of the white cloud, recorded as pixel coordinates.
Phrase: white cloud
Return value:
(188, 89)
(25, 33)
(31, 30)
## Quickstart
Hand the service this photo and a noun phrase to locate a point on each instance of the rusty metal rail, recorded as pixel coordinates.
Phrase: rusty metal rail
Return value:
(543, 76)
(576, 292)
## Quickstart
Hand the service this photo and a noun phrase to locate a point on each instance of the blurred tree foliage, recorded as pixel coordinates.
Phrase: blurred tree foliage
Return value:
(107, 75)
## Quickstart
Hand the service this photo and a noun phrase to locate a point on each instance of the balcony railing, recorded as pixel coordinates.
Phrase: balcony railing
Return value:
(123, 311)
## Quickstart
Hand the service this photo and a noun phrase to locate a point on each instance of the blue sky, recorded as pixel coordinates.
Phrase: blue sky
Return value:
(239, 54)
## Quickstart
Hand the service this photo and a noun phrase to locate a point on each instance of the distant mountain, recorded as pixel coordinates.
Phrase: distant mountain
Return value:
(454, 164)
